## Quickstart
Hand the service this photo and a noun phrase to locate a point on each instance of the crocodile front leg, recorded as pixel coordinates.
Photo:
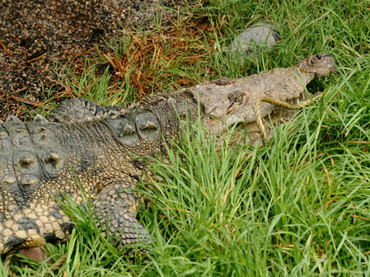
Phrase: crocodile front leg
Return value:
(115, 209)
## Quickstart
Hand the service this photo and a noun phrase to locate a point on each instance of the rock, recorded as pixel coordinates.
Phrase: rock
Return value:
(258, 37)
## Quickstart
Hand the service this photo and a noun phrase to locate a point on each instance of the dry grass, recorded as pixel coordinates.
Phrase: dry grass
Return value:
(163, 59)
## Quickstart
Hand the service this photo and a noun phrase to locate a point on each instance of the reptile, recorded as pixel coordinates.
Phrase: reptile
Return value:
(41, 159)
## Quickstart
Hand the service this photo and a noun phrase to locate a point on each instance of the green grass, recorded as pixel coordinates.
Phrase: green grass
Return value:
(298, 206)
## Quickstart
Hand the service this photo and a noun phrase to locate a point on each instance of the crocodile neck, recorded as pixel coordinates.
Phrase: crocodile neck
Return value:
(170, 109)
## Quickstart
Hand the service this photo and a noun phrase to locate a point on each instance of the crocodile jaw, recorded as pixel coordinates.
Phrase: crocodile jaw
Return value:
(234, 101)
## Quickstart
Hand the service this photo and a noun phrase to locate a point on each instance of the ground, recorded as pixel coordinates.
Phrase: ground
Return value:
(36, 35)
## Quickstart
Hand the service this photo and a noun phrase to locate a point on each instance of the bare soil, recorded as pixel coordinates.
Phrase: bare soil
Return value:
(35, 35)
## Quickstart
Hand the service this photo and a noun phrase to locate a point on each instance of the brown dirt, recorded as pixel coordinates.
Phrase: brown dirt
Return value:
(36, 35)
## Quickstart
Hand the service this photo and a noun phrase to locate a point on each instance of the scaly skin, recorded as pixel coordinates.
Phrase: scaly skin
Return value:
(40, 160)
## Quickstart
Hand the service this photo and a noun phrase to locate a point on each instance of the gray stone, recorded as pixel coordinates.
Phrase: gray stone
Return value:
(258, 37)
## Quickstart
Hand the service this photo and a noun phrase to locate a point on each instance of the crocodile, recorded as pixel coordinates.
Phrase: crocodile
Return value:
(41, 159)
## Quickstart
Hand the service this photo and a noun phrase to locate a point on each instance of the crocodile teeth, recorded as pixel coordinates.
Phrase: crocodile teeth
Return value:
(294, 101)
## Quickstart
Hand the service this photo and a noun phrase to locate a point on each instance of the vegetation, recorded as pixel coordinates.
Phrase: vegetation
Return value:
(298, 206)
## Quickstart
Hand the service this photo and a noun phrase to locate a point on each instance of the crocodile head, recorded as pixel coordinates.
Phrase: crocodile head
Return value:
(320, 65)
(234, 100)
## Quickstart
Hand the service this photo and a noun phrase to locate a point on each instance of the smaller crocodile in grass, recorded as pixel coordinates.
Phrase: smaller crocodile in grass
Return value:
(40, 160)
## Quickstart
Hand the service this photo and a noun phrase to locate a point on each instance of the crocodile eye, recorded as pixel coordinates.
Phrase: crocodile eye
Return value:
(238, 99)
(314, 59)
